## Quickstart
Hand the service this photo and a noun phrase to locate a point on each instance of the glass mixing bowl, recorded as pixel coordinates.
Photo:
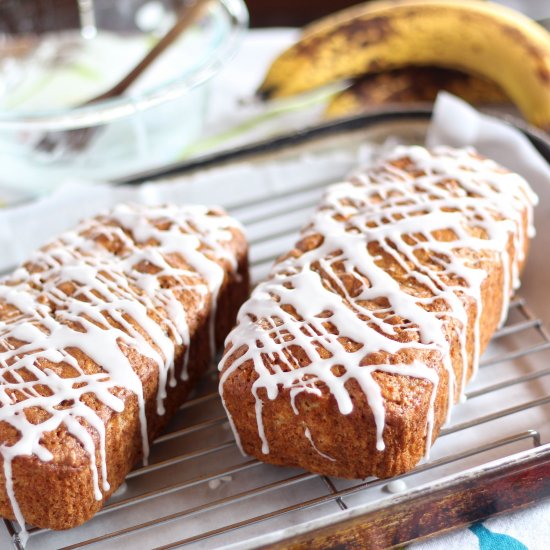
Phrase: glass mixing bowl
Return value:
(54, 56)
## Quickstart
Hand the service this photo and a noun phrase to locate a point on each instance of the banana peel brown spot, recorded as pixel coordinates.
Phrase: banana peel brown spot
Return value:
(519, 38)
(376, 65)
(412, 85)
(536, 53)
(544, 74)
(364, 32)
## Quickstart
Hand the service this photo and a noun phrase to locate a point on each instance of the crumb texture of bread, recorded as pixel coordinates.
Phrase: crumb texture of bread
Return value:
(347, 360)
(103, 332)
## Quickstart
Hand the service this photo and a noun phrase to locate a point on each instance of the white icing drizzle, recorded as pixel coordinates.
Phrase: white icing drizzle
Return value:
(424, 293)
(396, 486)
(111, 288)
(307, 433)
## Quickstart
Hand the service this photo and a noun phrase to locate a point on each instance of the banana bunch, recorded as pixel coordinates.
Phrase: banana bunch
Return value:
(481, 38)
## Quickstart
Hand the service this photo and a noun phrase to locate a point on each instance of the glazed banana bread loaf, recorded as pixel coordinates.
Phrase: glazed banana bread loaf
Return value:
(346, 361)
(103, 332)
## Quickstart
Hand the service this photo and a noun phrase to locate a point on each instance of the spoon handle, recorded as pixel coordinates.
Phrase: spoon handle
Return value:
(188, 15)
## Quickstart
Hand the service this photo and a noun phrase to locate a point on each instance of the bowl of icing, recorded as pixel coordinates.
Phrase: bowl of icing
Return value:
(47, 75)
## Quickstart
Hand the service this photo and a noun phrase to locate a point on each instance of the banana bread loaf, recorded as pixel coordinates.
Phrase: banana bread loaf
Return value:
(103, 332)
(346, 361)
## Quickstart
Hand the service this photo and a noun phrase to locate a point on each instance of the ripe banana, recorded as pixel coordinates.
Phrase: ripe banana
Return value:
(476, 37)
(410, 85)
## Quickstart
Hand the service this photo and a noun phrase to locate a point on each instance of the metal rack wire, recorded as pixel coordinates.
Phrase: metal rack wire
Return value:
(199, 440)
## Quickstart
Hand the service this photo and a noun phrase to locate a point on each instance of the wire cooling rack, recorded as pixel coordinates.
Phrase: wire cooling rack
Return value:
(198, 491)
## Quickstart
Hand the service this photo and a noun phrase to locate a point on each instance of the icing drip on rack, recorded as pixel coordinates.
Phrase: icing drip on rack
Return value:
(391, 260)
(74, 314)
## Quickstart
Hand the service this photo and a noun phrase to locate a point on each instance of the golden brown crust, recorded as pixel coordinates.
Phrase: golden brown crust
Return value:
(354, 447)
(59, 494)
(345, 444)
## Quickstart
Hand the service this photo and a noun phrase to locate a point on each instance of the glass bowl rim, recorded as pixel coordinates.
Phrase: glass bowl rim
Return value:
(116, 108)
